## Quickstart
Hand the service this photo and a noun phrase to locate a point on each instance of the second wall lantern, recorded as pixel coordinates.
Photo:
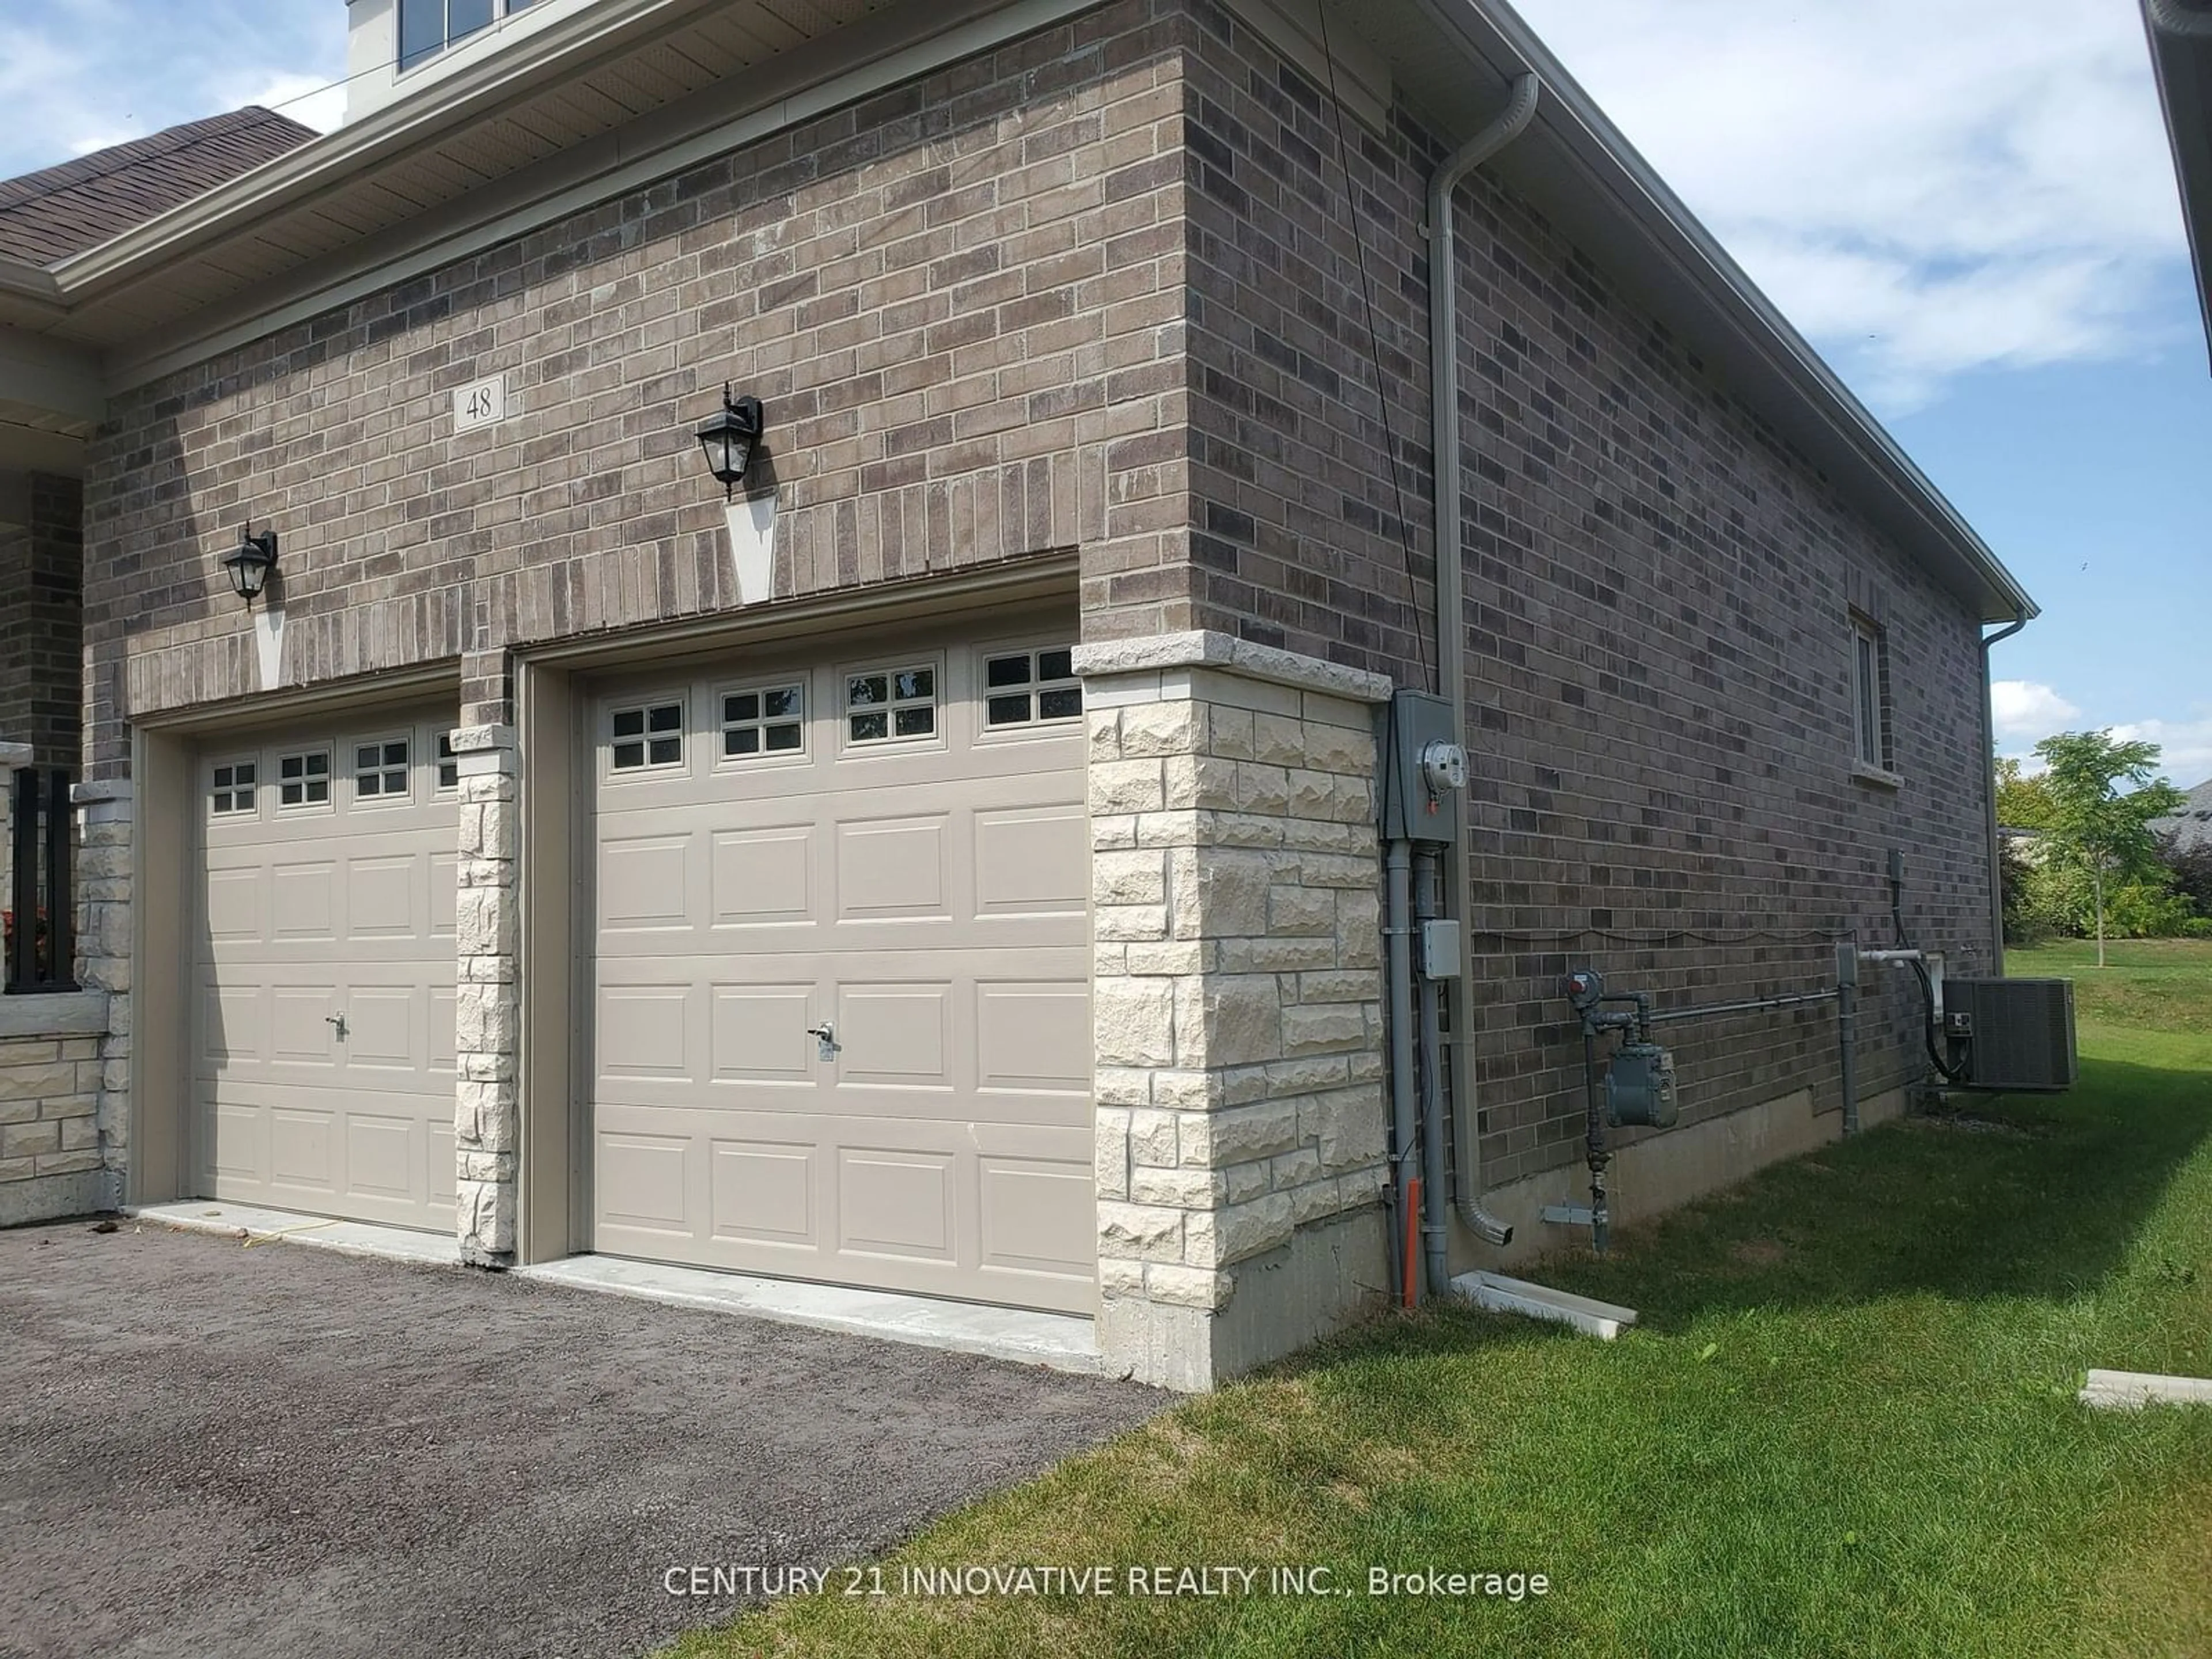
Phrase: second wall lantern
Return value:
(729, 438)
(249, 567)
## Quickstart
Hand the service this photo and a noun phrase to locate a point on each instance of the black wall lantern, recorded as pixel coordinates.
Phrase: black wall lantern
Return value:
(250, 566)
(729, 438)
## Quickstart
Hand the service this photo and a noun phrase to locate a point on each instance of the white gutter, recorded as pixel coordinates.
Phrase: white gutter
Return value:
(35, 284)
(1451, 619)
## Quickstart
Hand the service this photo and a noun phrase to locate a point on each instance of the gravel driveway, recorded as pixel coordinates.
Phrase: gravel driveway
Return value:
(214, 1450)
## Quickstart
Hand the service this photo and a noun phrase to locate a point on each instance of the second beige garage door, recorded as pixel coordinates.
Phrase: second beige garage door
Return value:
(842, 1017)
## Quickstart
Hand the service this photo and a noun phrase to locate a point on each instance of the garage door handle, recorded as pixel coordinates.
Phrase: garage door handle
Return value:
(826, 1034)
(337, 1020)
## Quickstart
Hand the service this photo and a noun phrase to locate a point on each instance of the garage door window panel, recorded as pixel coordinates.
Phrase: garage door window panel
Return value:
(231, 789)
(449, 765)
(890, 705)
(763, 722)
(646, 738)
(382, 773)
(303, 780)
(1024, 689)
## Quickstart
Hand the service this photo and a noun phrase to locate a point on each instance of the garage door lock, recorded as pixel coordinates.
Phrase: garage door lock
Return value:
(339, 1021)
(826, 1034)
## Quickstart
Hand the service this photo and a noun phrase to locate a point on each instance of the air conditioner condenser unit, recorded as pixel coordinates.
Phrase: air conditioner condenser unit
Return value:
(2013, 1035)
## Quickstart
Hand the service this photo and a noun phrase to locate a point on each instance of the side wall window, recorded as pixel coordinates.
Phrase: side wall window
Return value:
(1870, 695)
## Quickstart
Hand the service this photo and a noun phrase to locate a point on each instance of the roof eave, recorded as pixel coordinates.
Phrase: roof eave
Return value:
(564, 48)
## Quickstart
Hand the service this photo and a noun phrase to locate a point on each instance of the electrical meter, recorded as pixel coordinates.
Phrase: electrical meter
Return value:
(1426, 774)
(1443, 767)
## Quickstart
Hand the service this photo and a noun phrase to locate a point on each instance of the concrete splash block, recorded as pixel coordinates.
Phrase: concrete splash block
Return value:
(2133, 1390)
(1499, 1294)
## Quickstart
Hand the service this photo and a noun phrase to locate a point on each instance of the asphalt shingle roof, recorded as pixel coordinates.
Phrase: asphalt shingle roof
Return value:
(2192, 825)
(48, 215)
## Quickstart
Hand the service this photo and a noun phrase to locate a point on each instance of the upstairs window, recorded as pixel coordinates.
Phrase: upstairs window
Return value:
(427, 28)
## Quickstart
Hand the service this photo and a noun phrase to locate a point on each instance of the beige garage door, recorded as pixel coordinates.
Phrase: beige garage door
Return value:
(324, 971)
(842, 986)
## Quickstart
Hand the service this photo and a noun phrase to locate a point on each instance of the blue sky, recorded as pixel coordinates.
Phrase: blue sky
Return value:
(1972, 214)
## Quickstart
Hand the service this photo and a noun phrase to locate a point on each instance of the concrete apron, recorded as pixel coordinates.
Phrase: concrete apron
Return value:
(1062, 1342)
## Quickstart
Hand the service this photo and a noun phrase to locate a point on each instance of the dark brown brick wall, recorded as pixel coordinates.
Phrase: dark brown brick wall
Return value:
(41, 619)
(1657, 603)
(961, 302)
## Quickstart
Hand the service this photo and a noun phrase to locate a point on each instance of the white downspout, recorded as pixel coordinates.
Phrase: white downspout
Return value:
(1451, 629)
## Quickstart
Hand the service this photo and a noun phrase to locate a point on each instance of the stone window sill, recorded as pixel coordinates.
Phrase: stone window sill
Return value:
(1876, 777)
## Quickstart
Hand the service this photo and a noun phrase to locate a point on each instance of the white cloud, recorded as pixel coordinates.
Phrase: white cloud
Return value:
(77, 75)
(2184, 745)
(307, 99)
(2025, 711)
(1922, 187)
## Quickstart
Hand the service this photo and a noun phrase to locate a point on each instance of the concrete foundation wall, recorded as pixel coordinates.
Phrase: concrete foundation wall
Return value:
(1663, 1172)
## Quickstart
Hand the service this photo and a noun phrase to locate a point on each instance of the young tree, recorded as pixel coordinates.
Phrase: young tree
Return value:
(2093, 825)
(2023, 803)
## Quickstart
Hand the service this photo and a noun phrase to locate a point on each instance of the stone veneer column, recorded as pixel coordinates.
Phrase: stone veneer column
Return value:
(487, 1003)
(105, 877)
(1237, 994)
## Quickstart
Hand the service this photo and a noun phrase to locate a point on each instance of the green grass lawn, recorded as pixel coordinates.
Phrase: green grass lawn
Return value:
(1846, 1425)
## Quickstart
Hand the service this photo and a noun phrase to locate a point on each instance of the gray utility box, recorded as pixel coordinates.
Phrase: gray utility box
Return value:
(2015, 1035)
(1426, 771)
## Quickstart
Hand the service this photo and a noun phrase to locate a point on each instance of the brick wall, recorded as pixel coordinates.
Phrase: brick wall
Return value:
(41, 629)
(961, 302)
(1101, 288)
(1658, 604)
